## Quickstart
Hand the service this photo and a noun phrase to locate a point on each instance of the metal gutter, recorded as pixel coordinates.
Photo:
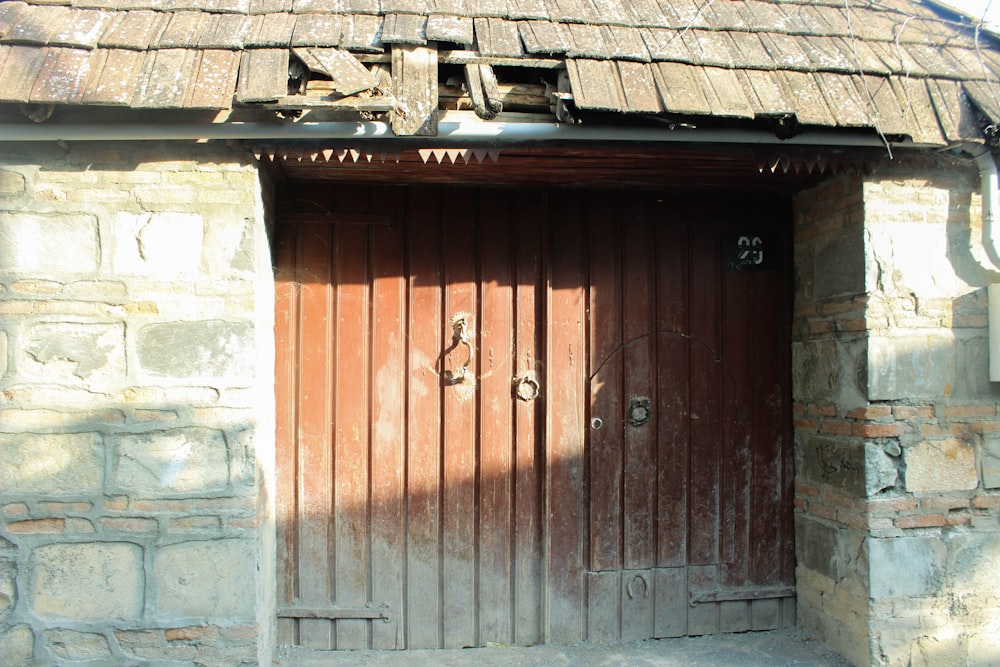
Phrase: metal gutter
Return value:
(449, 133)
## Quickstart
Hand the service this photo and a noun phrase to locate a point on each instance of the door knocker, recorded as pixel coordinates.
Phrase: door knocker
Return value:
(461, 334)
(640, 409)
(526, 387)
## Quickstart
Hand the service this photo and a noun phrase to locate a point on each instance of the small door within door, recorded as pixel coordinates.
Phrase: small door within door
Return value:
(524, 417)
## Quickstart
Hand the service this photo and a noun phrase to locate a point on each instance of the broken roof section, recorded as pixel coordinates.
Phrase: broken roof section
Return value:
(901, 67)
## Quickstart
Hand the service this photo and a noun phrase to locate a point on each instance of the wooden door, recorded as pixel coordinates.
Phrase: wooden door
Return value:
(523, 417)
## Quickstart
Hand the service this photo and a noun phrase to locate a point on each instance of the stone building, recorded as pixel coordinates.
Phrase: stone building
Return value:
(351, 324)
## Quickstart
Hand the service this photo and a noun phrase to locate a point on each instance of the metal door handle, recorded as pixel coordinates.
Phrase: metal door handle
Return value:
(459, 336)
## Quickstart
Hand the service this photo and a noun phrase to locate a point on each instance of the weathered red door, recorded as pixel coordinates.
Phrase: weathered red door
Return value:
(522, 417)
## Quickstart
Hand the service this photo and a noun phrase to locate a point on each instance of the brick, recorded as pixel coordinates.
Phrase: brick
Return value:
(921, 521)
(241, 632)
(805, 489)
(823, 511)
(888, 505)
(985, 502)
(191, 633)
(64, 508)
(130, 524)
(37, 526)
(906, 412)
(78, 525)
(823, 409)
(195, 523)
(74, 646)
(871, 412)
(15, 509)
(868, 430)
(116, 503)
(970, 411)
(835, 427)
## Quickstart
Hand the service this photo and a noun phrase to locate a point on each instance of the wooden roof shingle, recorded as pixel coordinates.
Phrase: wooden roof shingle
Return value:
(899, 66)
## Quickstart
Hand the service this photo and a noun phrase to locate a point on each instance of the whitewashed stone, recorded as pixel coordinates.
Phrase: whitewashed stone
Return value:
(211, 349)
(17, 646)
(49, 244)
(3, 353)
(940, 465)
(905, 566)
(53, 464)
(177, 461)
(73, 352)
(158, 244)
(8, 588)
(991, 461)
(87, 581)
(80, 646)
(215, 579)
(11, 183)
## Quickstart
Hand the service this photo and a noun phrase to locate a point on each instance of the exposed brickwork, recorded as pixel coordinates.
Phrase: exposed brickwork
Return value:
(892, 427)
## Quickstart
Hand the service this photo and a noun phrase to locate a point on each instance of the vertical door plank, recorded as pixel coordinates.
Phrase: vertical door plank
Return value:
(314, 431)
(423, 456)
(352, 430)
(286, 332)
(388, 413)
(770, 371)
(604, 596)
(737, 418)
(496, 419)
(460, 428)
(673, 383)
(606, 370)
(706, 390)
(566, 370)
(530, 229)
(670, 602)
(639, 475)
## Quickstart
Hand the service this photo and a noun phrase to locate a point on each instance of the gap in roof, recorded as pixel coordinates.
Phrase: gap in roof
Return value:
(987, 10)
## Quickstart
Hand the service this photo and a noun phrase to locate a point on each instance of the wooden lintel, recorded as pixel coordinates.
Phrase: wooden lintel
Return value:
(464, 57)
(376, 104)
(415, 87)
(363, 219)
(743, 595)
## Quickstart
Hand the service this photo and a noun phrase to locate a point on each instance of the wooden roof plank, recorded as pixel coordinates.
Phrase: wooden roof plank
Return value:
(575, 11)
(347, 74)
(639, 85)
(666, 45)
(415, 87)
(10, 13)
(317, 30)
(849, 104)
(133, 30)
(710, 48)
(860, 56)
(183, 31)
(890, 117)
(921, 117)
(986, 96)
(36, 24)
(62, 78)
(454, 29)
(226, 31)
(958, 119)
(803, 90)
(528, 9)
(761, 16)
(680, 88)
(627, 43)
(596, 85)
(765, 93)
(165, 78)
(752, 52)
(116, 77)
(81, 29)
(20, 71)
(215, 81)
(645, 13)
(588, 42)
(497, 37)
(826, 55)
(544, 37)
(271, 30)
(362, 32)
(405, 29)
(317, 6)
(263, 75)
(726, 93)
(786, 51)
(897, 58)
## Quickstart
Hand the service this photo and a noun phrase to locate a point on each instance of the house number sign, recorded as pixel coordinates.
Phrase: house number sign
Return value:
(750, 251)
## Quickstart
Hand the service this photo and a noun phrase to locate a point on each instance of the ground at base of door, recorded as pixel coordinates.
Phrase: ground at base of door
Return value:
(778, 648)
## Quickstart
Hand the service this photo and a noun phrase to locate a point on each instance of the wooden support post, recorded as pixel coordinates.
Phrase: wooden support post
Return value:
(415, 87)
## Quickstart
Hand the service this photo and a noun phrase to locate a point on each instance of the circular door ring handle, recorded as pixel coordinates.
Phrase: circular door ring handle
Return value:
(527, 388)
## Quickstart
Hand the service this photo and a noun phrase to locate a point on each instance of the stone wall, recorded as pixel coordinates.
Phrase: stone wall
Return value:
(897, 495)
(135, 406)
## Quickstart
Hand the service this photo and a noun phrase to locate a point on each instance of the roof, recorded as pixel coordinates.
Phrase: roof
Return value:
(903, 68)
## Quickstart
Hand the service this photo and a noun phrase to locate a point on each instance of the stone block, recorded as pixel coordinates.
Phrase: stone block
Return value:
(905, 566)
(991, 461)
(973, 564)
(17, 646)
(158, 244)
(822, 548)
(881, 471)
(212, 579)
(839, 463)
(77, 646)
(54, 464)
(228, 244)
(839, 264)
(177, 461)
(911, 367)
(11, 183)
(211, 349)
(73, 352)
(815, 370)
(49, 244)
(940, 465)
(3, 353)
(87, 581)
(8, 588)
